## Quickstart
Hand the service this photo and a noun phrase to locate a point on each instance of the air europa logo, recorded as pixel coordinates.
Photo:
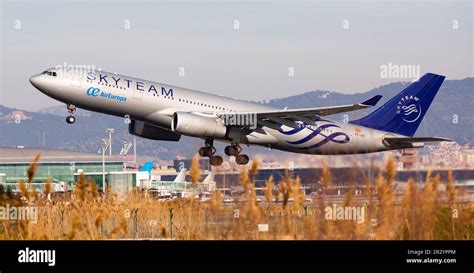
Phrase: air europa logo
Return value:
(409, 108)
(95, 92)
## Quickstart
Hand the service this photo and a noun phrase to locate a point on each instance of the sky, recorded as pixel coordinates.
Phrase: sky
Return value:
(251, 50)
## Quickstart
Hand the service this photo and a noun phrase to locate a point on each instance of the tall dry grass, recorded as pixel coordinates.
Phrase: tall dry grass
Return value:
(424, 213)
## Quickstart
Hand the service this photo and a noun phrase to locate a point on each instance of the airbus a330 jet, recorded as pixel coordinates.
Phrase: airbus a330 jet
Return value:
(163, 112)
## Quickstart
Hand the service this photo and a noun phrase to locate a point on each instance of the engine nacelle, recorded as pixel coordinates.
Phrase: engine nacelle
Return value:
(145, 130)
(198, 126)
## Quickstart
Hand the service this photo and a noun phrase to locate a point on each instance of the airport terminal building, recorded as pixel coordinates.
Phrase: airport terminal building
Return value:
(62, 166)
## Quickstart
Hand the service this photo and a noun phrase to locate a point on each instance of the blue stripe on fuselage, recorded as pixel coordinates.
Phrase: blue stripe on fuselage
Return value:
(313, 134)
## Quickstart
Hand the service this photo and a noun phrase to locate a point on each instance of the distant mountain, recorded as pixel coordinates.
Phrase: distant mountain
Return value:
(47, 128)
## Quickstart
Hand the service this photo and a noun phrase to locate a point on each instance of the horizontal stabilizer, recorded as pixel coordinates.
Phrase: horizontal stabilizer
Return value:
(417, 139)
(411, 142)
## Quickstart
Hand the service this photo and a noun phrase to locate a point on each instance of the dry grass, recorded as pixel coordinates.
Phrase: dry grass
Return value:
(86, 214)
(195, 171)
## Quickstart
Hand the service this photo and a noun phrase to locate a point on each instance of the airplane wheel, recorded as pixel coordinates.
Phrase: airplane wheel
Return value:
(216, 160)
(70, 119)
(205, 151)
(232, 150)
(242, 159)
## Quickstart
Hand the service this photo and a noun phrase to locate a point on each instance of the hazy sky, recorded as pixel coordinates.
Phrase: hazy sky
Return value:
(251, 62)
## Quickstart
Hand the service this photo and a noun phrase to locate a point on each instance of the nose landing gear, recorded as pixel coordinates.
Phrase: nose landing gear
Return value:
(71, 118)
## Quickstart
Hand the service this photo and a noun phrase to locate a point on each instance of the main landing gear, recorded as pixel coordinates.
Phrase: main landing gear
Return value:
(232, 150)
(208, 151)
(71, 118)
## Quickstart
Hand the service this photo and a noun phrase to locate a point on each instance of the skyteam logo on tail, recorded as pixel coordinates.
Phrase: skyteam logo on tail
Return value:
(409, 108)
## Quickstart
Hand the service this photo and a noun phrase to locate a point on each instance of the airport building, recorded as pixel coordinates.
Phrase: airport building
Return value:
(64, 167)
(179, 164)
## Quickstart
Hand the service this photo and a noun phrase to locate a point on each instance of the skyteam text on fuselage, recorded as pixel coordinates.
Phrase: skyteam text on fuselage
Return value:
(163, 112)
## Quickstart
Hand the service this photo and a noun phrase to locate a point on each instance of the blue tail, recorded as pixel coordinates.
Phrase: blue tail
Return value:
(147, 167)
(404, 112)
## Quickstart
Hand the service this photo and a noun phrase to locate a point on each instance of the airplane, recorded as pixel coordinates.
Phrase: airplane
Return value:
(164, 112)
(166, 188)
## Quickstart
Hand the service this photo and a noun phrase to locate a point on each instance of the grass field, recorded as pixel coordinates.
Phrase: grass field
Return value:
(88, 215)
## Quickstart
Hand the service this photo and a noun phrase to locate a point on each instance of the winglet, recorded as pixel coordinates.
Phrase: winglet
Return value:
(372, 101)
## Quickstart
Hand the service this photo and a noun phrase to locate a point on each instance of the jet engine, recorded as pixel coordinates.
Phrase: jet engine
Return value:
(198, 126)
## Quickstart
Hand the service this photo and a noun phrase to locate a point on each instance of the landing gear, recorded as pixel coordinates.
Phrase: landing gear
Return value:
(216, 160)
(234, 150)
(70, 119)
(242, 159)
(208, 151)
(71, 109)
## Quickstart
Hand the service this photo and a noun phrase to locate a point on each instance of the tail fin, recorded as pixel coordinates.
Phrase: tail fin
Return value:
(147, 167)
(181, 177)
(209, 178)
(404, 112)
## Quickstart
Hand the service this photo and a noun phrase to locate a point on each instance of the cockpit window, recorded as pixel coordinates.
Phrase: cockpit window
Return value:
(50, 73)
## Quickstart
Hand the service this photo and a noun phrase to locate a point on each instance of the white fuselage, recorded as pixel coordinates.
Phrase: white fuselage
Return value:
(155, 103)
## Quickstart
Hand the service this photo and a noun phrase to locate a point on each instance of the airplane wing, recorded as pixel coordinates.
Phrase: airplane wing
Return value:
(411, 142)
(275, 118)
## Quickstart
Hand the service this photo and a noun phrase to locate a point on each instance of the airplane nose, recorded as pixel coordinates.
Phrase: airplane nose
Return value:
(38, 82)
(34, 80)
